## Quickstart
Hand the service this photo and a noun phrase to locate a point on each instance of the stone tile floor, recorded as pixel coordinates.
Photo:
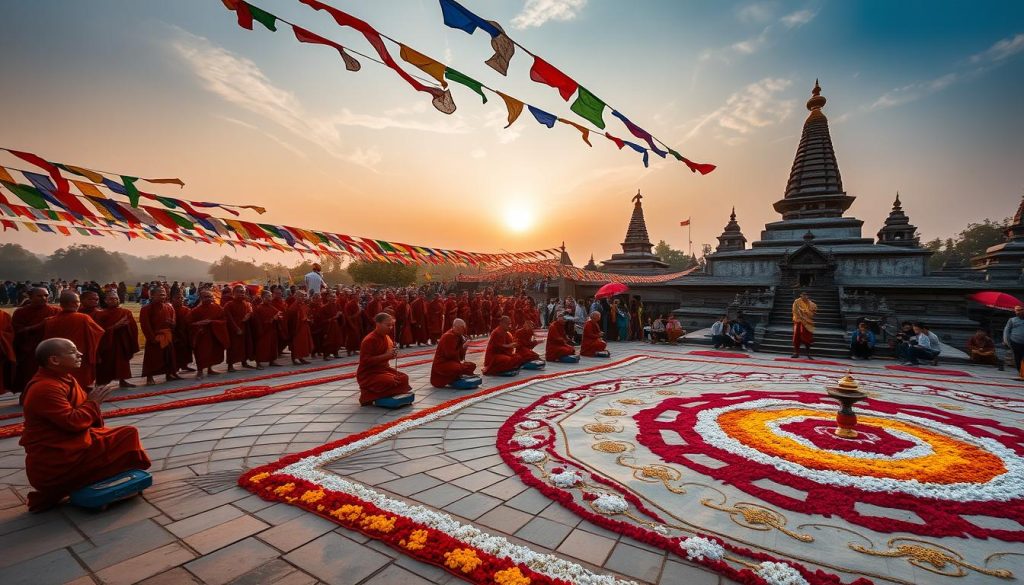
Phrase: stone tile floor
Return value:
(196, 526)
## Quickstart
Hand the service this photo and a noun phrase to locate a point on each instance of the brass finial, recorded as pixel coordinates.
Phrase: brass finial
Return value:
(817, 100)
(847, 383)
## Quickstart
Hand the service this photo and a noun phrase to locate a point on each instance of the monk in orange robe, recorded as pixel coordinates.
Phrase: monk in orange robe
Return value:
(80, 328)
(27, 322)
(238, 311)
(450, 357)
(435, 318)
(557, 346)
(120, 342)
(7, 355)
(593, 345)
(67, 447)
(525, 342)
(269, 322)
(208, 330)
(157, 322)
(376, 378)
(500, 355)
(300, 340)
(182, 337)
(331, 335)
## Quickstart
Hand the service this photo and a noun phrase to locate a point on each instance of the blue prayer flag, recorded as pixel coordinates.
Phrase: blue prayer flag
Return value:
(543, 117)
(458, 16)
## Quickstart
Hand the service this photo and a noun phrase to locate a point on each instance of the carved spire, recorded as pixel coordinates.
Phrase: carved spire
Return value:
(897, 230)
(564, 260)
(1016, 229)
(591, 265)
(637, 239)
(732, 237)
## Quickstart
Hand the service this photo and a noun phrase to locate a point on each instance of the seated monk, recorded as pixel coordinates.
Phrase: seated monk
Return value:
(66, 445)
(593, 345)
(557, 347)
(80, 328)
(120, 342)
(500, 355)
(981, 348)
(525, 342)
(376, 378)
(450, 357)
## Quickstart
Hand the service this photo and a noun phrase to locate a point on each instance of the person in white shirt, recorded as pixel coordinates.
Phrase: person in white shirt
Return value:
(314, 280)
(925, 345)
(719, 333)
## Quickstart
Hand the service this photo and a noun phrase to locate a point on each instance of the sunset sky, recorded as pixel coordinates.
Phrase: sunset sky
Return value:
(923, 98)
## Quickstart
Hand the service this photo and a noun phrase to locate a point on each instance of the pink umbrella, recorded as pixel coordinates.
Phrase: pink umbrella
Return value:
(610, 290)
(996, 300)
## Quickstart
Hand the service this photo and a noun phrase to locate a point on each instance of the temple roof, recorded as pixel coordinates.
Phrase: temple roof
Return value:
(1016, 229)
(897, 230)
(564, 259)
(732, 237)
(637, 239)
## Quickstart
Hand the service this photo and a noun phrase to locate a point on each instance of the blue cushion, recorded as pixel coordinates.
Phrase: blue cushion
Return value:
(508, 374)
(466, 383)
(395, 401)
(569, 359)
(533, 365)
(119, 487)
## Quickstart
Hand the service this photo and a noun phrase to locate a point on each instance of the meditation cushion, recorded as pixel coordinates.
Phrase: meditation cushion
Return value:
(395, 401)
(466, 383)
(602, 354)
(107, 491)
(533, 365)
(569, 359)
(509, 373)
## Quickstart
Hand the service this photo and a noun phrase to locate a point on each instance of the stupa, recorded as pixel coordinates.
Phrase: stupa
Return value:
(636, 256)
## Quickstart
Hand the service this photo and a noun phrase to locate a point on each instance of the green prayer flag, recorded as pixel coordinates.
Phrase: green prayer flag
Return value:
(271, 229)
(263, 17)
(167, 201)
(30, 195)
(589, 106)
(675, 154)
(386, 246)
(130, 190)
(180, 220)
(453, 75)
(52, 215)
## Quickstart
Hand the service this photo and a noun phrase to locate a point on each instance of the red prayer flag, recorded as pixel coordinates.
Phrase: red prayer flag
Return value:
(685, 222)
(543, 72)
(54, 172)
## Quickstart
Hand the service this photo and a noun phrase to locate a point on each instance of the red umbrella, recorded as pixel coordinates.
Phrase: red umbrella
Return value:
(996, 300)
(610, 290)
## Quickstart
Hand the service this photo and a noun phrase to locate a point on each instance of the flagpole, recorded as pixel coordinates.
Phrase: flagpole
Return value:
(689, 234)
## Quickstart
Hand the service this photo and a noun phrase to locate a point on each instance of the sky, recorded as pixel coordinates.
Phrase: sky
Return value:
(923, 98)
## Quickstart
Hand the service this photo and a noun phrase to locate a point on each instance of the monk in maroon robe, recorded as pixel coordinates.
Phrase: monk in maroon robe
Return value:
(451, 312)
(269, 325)
(418, 319)
(375, 376)
(403, 322)
(238, 311)
(450, 357)
(525, 342)
(67, 447)
(435, 318)
(373, 307)
(90, 303)
(182, 337)
(593, 344)
(300, 341)
(353, 321)
(208, 330)
(331, 334)
(80, 328)
(557, 346)
(158, 322)
(27, 322)
(120, 342)
(7, 355)
(500, 355)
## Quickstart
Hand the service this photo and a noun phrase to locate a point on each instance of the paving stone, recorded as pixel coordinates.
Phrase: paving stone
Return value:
(54, 567)
(22, 545)
(505, 489)
(587, 546)
(375, 476)
(560, 513)
(198, 501)
(407, 486)
(477, 481)
(674, 573)
(505, 519)
(337, 560)
(440, 496)
(277, 572)
(224, 534)
(544, 532)
(124, 543)
(530, 501)
(252, 503)
(297, 532)
(137, 568)
(450, 472)
(230, 562)
(395, 575)
(473, 506)
(176, 576)
(117, 515)
(279, 513)
(203, 521)
(433, 573)
(419, 465)
(635, 562)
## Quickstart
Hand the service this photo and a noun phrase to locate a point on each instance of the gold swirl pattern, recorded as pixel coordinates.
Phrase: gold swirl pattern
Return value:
(931, 557)
(757, 517)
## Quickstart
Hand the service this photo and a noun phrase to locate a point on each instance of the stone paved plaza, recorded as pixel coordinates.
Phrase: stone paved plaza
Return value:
(195, 525)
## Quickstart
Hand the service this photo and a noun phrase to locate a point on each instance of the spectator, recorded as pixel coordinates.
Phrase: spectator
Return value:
(658, 330)
(720, 333)
(1013, 337)
(981, 348)
(862, 342)
(674, 329)
(742, 334)
(920, 346)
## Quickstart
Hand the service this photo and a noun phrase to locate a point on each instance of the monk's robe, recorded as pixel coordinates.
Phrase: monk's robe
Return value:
(497, 358)
(66, 445)
(403, 323)
(370, 311)
(982, 349)
(236, 311)
(279, 303)
(158, 322)
(474, 316)
(435, 319)
(27, 322)
(803, 322)
(557, 346)
(495, 313)
(352, 316)
(210, 340)
(268, 332)
(85, 333)
(485, 314)
(119, 345)
(300, 341)
(418, 319)
(7, 355)
(331, 336)
(592, 342)
(182, 336)
(450, 360)
(378, 380)
(526, 342)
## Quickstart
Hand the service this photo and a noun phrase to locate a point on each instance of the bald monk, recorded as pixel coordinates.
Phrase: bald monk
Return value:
(157, 321)
(27, 322)
(500, 355)
(67, 447)
(182, 339)
(376, 378)
(120, 342)
(525, 342)
(238, 311)
(90, 303)
(7, 355)
(300, 339)
(269, 321)
(450, 357)
(82, 330)
(593, 345)
(208, 330)
(557, 347)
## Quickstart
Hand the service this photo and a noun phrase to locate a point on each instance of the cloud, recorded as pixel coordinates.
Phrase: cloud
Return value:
(1001, 50)
(240, 82)
(759, 13)
(756, 106)
(538, 12)
(798, 18)
(497, 118)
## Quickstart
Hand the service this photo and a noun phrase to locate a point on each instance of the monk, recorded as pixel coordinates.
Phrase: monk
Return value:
(557, 347)
(525, 342)
(120, 342)
(90, 303)
(157, 322)
(435, 318)
(593, 345)
(7, 355)
(85, 333)
(981, 348)
(238, 311)
(208, 330)
(27, 322)
(269, 321)
(450, 357)
(418, 319)
(451, 311)
(331, 335)
(352, 315)
(376, 378)
(500, 355)
(803, 324)
(182, 339)
(300, 340)
(67, 447)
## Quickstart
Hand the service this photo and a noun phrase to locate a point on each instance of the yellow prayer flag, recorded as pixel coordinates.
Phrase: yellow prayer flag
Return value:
(424, 64)
(5, 176)
(88, 189)
(515, 107)
(87, 173)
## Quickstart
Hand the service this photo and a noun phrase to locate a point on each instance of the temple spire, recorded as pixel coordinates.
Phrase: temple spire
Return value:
(732, 237)
(637, 239)
(897, 230)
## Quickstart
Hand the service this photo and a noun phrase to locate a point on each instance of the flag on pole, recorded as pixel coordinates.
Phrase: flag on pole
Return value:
(685, 222)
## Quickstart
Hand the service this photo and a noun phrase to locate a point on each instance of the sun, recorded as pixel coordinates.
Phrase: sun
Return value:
(518, 219)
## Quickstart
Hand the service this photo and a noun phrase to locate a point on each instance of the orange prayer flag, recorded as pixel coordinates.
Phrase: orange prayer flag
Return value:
(173, 181)
(584, 131)
(87, 173)
(425, 64)
(88, 189)
(5, 176)
(515, 107)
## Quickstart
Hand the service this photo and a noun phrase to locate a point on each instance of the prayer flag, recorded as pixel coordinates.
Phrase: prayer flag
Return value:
(543, 117)
(618, 141)
(171, 181)
(458, 16)
(262, 16)
(640, 149)
(442, 101)
(466, 80)
(685, 223)
(588, 106)
(543, 72)
(433, 68)
(88, 189)
(54, 172)
(305, 36)
(583, 130)
(504, 49)
(88, 174)
(702, 168)
(640, 133)
(5, 176)
(130, 190)
(8, 224)
(515, 107)
(30, 195)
